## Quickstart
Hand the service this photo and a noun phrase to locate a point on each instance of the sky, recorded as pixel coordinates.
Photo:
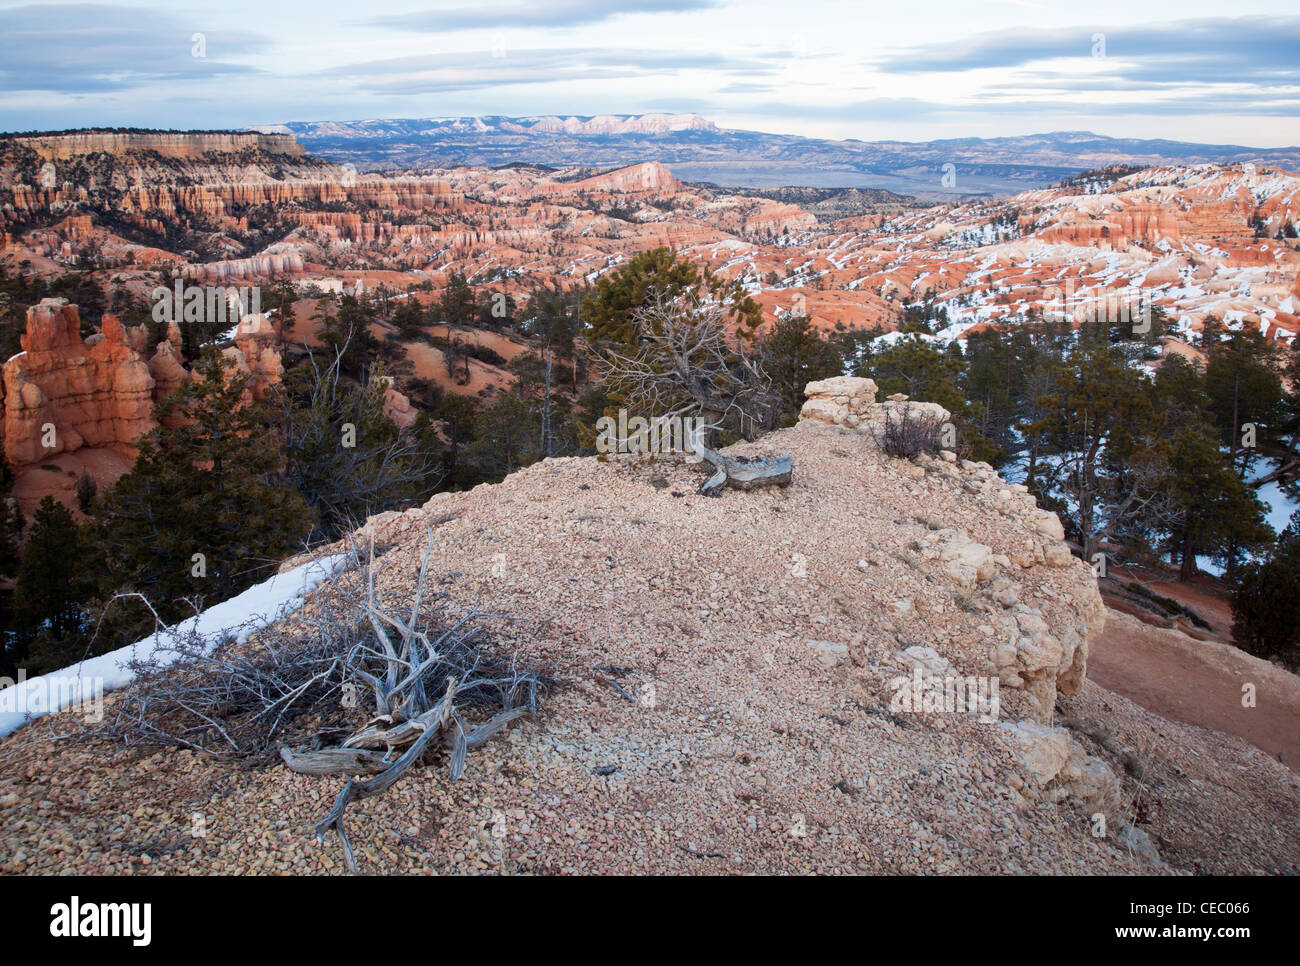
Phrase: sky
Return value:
(1194, 70)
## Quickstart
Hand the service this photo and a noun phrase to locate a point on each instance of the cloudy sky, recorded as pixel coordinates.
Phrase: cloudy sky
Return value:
(1198, 70)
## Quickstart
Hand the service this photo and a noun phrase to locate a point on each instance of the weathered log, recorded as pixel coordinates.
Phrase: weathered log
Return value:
(744, 473)
(333, 761)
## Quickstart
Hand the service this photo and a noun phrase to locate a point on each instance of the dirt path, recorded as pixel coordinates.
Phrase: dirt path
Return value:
(1200, 683)
(1202, 594)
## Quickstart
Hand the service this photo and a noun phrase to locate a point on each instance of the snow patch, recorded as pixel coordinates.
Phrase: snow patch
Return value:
(242, 615)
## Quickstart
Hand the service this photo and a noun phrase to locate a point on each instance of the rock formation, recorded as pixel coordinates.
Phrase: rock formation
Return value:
(850, 401)
(1039, 657)
(398, 408)
(258, 344)
(648, 176)
(165, 366)
(61, 393)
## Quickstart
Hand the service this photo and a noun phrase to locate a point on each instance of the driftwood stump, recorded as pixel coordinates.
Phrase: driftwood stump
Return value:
(744, 473)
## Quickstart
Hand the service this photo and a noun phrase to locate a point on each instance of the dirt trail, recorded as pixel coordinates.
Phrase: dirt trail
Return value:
(1199, 682)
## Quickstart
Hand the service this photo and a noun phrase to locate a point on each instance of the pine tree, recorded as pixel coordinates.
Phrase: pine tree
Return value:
(921, 370)
(1099, 428)
(508, 437)
(1215, 513)
(207, 510)
(346, 335)
(51, 588)
(794, 354)
(1266, 608)
(608, 311)
(457, 417)
(928, 372)
(458, 302)
(1243, 387)
(87, 488)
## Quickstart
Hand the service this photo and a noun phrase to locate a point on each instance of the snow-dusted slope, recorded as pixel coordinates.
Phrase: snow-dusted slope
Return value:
(83, 685)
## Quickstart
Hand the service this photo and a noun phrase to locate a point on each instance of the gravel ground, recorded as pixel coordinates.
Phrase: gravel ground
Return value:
(724, 707)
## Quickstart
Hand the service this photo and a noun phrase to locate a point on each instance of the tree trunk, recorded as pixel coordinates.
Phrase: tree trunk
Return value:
(743, 473)
(1187, 567)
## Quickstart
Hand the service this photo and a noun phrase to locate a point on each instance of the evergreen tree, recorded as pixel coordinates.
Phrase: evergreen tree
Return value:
(920, 369)
(51, 589)
(1266, 603)
(207, 510)
(1214, 512)
(280, 296)
(346, 335)
(498, 309)
(608, 311)
(87, 488)
(1243, 387)
(792, 355)
(409, 319)
(926, 371)
(999, 369)
(458, 303)
(458, 419)
(508, 434)
(855, 348)
(1098, 428)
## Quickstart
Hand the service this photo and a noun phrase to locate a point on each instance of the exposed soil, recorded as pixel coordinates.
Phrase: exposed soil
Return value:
(1199, 682)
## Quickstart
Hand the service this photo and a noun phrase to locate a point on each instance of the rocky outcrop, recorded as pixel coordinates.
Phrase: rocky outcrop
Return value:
(649, 176)
(1058, 768)
(771, 220)
(165, 366)
(850, 401)
(240, 269)
(258, 343)
(398, 408)
(61, 393)
(1037, 652)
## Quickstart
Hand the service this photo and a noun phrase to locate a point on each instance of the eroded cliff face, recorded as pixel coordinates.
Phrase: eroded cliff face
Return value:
(63, 393)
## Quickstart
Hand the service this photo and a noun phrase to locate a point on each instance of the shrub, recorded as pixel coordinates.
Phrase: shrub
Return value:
(1266, 610)
(87, 489)
(907, 432)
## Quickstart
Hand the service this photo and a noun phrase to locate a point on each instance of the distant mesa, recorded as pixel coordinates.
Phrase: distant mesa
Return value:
(698, 150)
(169, 144)
(615, 124)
